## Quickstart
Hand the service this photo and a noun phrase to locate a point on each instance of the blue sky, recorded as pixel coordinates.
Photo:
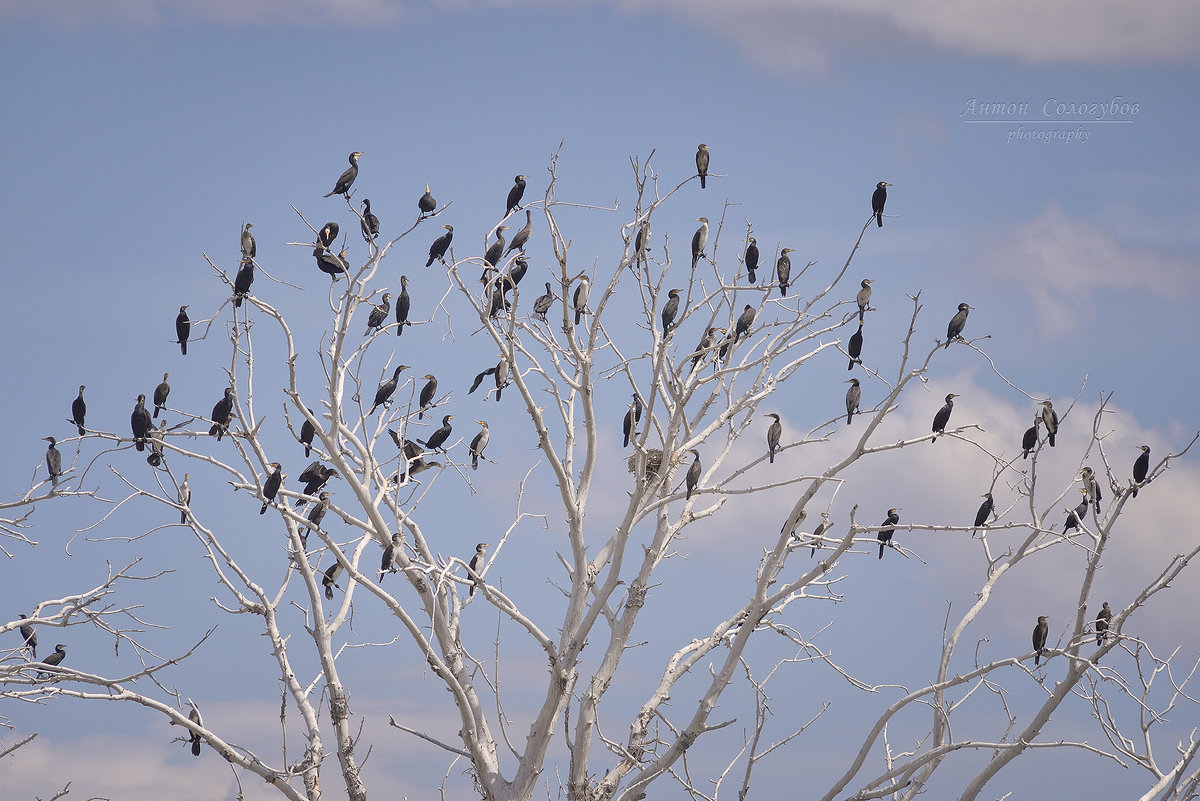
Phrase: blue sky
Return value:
(141, 134)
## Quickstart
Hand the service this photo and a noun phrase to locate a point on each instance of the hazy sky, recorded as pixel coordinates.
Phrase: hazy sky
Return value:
(1044, 166)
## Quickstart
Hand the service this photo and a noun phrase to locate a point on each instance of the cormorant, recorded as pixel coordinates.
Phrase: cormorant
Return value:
(249, 248)
(478, 444)
(1103, 621)
(427, 393)
(79, 410)
(1141, 467)
(1029, 438)
(384, 393)
(369, 222)
(500, 375)
(315, 477)
(515, 194)
(241, 284)
(702, 163)
(325, 237)
(669, 311)
(193, 737)
(440, 245)
(56, 658)
(885, 534)
(516, 273)
(308, 432)
(29, 637)
(53, 460)
(580, 298)
(699, 240)
(1050, 418)
(632, 418)
(346, 180)
(854, 348)
(139, 421)
(957, 323)
(707, 341)
(160, 395)
(942, 417)
(333, 265)
(521, 237)
(1092, 486)
(751, 258)
(641, 242)
(476, 565)
(379, 314)
(693, 473)
(783, 271)
(156, 444)
(315, 516)
(1075, 516)
(878, 199)
(985, 511)
(853, 396)
(388, 563)
(183, 329)
(1039, 639)
(744, 321)
(496, 250)
(185, 498)
(863, 299)
(329, 580)
(221, 414)
(774, 432)
(403, 303)
(543, 303)
(271, 487)
(819, 532)
(438, 438)
(426, 203)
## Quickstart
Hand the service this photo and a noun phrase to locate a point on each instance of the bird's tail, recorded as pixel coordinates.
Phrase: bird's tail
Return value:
(879, 219)
(751, 276)
(183, 347)
(702, 184)
(156, 409)
(880, 550)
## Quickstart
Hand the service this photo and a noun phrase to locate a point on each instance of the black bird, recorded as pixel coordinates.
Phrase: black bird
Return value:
(271, 487)
(853, 396)
(744, 321)
(388, 563)
(193, 737)
(707, 341)
(641, 242)
(1029, 438)
(160, 395)
(1103, 621)
(957, 323)
(79, 410)
(942, 417)
(56, 658)
(783, 271)
(1141, 467)
(885, 534)
(693, 473)
(369, 222)
(426, 202)
(53, 460)
(985, 511)
(183, 329)
(379, 314)
(478, 444)
(427, 394)
(476, 564)
(241, 284)
(1076, 515)
(222, 412)
(326, 236)
(699, 240)
(437, 251)
(702, 163)
(515, 194)
(580, 298)
(878, 200)
(543, 303)
(333, 265)
(670, 310)
(723, 351)
(632, 418)
(308, 432)
(774, 432)
(329, 580)
(516, 273)
(403, 303)
(315, 516)
(496, 250)
(139, 421)
(751, 258)
(185, 498)
(156, 444)
(249, 248)
(819, 532)
(521, 237)
(855, 347)
(863, 298)
(1092, 486)
(346, 179)
(315, 477)
(29, 637)
(1039, 639)
(438, 438)
(499, 373)
(384, 393)
(1050, 418)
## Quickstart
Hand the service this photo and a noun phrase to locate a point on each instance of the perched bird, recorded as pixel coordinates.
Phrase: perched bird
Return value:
(863, 298)
(160, 395)
(387, 564)
(708, 341)
(985, 511)
(185, 498)
(496, 250)
(271, 487)
(515, 194)
(29, 638)
(516, 272)
(1039, 639)
(957, 323)
(437, 251)
(699, 240)
(193, 737)
(580, 298)
(438, 438)
(315, 516)
(500, 373)
(1103, 621)
(249, 248)
(632, 418)
(346, 179)
(476, 565)
(878, 199)
(641, 242)
(426, 202)
(79, 411)
(1076, 515)
(1141, 467)
(543, 303)
(693, 473)
(53, 460)
(1092, 486)
(1050, 418)
(156, 444)
(378, 316)
(702, 163)
(854, 348)
(403, 304)
(942, 417)
(333, 265)
(853, 396)
(819, 532)
(369, 222)
(222, 412)
(478, 444)
(139, 421)
(384, 393)
(670, 310)
(1030, 437)
(744, 321)
(326, 236)
(427, 394)
(183, 329)
(751, 258)
(521, 237)
(783, 271)
(56, 658)
(315, 477)
(774, 432)
(329, 580)
(241, 284)
(308, 432)
(885, 533)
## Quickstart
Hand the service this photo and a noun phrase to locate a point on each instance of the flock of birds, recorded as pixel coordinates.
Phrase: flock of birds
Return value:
(716, 341)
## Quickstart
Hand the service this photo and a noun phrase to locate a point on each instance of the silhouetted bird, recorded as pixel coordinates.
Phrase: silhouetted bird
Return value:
(632, 418)
(329, 580)
(985, 511)
(670, 310)
(53, 460)
(476, 565)
(1029, 438)
(699, 240)
(863, 299)
(369, 222)
(1075, 516)
(29, 638)
(774, 432)
(478, 444)
(1039, 639)
(222, 413)
(854, 349)
(853, 396)
(1103, 621)
(139, 421)
(819, 532)
(183, 329)
(543, 303)
(515, 194)
(387, 564)
(744, 321)
(346, 179)
(384, 393)
(783, 271)
(315, 477)
(379, 314)
(308, 432)
(79, 411)
(885, 534)
(437, 251)
(957, 323)
(1141, 468)
(315, 516)
(580, 298)
(751, 259)
(521, 237)
(1050, 418)
(56, 658)
(702, 163)
(878, 200)
(193, 737)
(1092, 486)
(160, 395)
(438, 438)
(426, 203)
(271, 487)
(185, 498)
(249, 248)
(693, 473)
(942, 417)
(241, 284)
(427, 394)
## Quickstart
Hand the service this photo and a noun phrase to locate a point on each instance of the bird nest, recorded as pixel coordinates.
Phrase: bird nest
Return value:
(653, 461)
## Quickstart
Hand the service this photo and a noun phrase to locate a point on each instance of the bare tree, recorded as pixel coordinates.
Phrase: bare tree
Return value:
(696, 462)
